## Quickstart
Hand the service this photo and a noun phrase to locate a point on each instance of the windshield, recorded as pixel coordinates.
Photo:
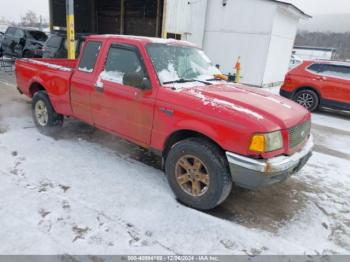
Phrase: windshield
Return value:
(37, 35)
(173, 63)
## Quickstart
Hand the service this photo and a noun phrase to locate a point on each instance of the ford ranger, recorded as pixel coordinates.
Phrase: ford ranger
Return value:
(166, 96)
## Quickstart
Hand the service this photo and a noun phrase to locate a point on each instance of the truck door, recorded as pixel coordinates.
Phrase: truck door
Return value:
(123, 109)
(83, 80)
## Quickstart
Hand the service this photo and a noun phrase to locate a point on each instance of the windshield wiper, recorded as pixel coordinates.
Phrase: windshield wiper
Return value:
(182, 81)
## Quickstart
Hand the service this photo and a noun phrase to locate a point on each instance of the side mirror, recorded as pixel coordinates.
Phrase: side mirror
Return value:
(136, 80)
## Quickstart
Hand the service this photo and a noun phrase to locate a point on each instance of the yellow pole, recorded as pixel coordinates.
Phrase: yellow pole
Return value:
(238, 70)
(70, 29)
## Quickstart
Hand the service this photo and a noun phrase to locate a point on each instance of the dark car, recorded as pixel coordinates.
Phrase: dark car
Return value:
(23, 42)
(1, 38)
(56, 45)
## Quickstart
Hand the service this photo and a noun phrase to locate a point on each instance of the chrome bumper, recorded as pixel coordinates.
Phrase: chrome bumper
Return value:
(253, 173)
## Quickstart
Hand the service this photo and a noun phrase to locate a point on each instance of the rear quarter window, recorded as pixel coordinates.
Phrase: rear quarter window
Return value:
(338, 71)
(89, 57)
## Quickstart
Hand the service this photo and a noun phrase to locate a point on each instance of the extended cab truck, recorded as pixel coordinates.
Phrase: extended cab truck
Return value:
(161, 95)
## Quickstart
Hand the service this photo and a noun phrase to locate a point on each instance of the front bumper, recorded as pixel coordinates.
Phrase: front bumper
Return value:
(255, 173)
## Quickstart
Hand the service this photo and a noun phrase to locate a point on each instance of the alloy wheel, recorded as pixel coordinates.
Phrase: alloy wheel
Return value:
(192, 175)
(41, 113)
(306, 100)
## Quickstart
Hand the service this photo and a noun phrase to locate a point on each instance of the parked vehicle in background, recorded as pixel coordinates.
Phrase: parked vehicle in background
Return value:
(162, 95)
(56, 45)
(315, 84)
(23, 42)
(1, 38)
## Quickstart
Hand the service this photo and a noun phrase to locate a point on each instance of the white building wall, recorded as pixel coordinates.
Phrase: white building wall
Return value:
(281, 45)
(307, 54)
(261, 32)
(186, 18)
(242, 28)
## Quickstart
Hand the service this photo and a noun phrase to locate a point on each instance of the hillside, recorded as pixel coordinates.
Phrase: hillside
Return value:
(327, 31)
(340, 41)
(339, 23)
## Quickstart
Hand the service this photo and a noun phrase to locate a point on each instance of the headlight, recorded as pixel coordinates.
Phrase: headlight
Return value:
(266, 142)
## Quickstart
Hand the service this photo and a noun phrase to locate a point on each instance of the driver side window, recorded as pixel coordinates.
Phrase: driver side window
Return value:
(121, 61)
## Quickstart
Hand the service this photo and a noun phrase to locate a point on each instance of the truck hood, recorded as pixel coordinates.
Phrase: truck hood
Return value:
(262, 106)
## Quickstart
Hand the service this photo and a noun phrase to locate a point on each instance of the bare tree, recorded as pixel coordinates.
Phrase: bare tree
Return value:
(30, 19)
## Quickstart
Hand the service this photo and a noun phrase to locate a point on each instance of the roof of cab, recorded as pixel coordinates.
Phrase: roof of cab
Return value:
(142, 39)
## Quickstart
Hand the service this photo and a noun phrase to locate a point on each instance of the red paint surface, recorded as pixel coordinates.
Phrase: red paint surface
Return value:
(136, 114)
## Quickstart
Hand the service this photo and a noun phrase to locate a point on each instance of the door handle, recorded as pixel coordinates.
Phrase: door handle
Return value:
(322, 78)
(99, 86)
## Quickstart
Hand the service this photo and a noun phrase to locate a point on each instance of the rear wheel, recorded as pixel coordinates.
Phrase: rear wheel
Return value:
(308, 99)
(44, 116)
(198, 173)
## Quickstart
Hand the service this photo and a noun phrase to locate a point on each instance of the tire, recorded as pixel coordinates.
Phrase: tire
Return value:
(308, 99)
(45, 118)
(215, 180)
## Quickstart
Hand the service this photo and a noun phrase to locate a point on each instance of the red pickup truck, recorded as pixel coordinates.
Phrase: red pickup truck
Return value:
(162, 95)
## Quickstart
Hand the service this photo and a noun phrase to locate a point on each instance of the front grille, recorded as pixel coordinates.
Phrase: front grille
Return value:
(298, 134)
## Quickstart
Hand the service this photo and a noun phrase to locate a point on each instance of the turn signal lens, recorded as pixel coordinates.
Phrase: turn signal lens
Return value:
(258, 144)
(263, 143)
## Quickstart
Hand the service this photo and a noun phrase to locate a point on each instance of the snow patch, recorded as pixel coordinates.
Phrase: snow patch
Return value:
(278, 102)
(112, 76)
(218, 102)
(49, 65)
(85, 69)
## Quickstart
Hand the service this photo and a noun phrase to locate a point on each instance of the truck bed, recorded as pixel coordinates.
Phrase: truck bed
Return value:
(59, 64)
(52, 75)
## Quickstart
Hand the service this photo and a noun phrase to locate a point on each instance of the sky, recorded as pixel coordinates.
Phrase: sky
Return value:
(13, 9)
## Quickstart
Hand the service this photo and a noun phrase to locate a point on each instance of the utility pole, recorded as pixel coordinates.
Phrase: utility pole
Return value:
(51, 15)
(70, 28)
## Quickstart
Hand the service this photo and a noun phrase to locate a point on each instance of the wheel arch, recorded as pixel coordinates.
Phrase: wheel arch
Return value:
(307, 87)
(182, 134)
(35, 87)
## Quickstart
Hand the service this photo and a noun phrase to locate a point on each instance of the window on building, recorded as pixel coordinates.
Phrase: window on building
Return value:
(121, 61)
(89, 58)
(173, 36)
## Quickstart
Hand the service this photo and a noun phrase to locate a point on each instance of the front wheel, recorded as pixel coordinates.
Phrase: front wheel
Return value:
(308, 99)
(44, 116)
(198, 173)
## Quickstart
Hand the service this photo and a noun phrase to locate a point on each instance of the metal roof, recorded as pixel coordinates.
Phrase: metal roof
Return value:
(288, 4)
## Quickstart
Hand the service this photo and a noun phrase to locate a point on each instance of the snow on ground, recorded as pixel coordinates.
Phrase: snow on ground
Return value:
(71, 194)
